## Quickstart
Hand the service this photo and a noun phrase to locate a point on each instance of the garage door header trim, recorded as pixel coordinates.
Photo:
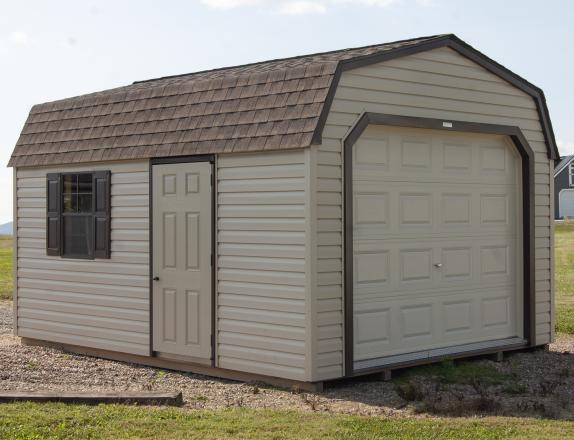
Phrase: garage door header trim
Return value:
(527, 156)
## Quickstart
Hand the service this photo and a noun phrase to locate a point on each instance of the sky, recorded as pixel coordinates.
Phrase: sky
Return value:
(56, 49)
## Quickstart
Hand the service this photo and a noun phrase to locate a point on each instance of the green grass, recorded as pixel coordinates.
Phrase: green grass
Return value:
(5, 267)
(29, 420)
(564, 277)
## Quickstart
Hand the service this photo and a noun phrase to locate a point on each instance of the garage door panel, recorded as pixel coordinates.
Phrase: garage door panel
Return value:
(475, 155)
(457, 157)
(372, 173)
(459, 316)
(404, 325)
(397, 266)
(436, 241)
(385, 207)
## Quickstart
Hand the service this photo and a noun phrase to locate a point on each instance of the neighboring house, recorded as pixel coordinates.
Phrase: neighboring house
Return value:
(564, 188)
(307, 219)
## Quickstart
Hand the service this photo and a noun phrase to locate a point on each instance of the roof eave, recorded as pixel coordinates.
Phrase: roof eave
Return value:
(562, 166)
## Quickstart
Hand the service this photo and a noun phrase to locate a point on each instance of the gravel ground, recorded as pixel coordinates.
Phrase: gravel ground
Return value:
(542, 384)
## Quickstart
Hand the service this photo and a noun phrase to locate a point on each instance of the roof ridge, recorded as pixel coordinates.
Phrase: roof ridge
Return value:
(296, 57)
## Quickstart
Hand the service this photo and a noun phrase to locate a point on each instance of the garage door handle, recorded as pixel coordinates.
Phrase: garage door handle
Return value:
(156, 278)
(439, 265)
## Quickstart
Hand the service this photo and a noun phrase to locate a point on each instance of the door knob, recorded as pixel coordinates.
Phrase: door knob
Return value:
(156, 278)
(439, 265)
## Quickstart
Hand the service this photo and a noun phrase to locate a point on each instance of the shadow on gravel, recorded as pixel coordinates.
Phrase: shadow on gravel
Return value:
(537, 383)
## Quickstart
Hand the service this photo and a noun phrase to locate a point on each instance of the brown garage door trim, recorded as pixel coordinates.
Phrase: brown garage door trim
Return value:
(527, 155)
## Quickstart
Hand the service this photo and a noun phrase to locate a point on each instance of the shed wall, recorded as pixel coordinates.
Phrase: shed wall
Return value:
(92, 303)
(261, 265)
(436, 84)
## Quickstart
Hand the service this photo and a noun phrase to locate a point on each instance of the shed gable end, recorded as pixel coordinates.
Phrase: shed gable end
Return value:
(439, 84)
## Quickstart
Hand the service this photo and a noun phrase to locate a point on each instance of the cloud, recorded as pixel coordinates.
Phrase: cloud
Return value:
(565, 147)
(380, 3)
(302, 7)
(230, 4)
(19, 38)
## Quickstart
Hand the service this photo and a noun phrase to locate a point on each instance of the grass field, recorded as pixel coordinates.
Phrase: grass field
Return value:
(564, 277)
(27, 420)
(5, 267)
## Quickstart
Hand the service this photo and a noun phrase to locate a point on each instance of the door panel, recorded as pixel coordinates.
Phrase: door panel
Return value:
(437, 247)
(182, 222)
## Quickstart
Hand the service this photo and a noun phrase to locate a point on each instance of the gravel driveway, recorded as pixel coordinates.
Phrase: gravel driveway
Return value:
(542, 384)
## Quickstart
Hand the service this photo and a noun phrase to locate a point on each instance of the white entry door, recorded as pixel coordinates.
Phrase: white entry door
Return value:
(437, 248)
(182, 286)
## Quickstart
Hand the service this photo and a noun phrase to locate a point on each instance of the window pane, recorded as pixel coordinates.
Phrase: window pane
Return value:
(70, 202)
(85, 183)
(70, 185)
(84, 202)
(78, 235)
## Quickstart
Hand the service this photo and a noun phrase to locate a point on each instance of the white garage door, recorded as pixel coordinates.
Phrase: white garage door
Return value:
(437, 224)
(566, 203)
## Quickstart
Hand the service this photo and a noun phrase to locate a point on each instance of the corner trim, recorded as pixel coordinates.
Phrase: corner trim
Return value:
(15, 238)
(528, 231)
(465, 50)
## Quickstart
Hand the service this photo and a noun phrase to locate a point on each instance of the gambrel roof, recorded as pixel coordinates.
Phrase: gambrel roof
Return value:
(269, 105)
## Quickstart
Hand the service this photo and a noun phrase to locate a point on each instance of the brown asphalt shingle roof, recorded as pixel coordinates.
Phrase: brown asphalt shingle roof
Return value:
(262, 106)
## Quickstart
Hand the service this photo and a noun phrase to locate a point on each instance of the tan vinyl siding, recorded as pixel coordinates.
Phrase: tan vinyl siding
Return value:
(261, 289)
(436, 84)
(93, 303)
(327, 291)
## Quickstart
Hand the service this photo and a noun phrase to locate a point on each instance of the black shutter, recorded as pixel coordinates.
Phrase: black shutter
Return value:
(53, 222)
(102, 214)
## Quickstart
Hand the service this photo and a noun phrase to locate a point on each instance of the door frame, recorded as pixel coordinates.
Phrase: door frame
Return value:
(176, 160)
(528, 229)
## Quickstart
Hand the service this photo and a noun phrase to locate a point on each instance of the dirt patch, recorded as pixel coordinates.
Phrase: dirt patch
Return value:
(539, 383)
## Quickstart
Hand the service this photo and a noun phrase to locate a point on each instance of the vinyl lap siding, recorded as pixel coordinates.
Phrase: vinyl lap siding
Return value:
(92, 303)
(328, 309)
(261, 293)
(434, 84)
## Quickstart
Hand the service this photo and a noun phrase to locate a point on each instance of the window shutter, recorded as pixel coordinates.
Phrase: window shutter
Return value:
(102, 214)
(53, 222)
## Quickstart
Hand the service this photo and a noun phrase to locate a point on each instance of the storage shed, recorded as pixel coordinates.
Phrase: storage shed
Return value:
(564, 188)
(306, 219)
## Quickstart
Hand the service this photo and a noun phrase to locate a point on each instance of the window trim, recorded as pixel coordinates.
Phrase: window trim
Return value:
(571, 174)
(100, 209)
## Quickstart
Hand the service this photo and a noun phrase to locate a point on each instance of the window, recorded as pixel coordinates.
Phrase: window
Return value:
(571, 174)
(78, 214)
